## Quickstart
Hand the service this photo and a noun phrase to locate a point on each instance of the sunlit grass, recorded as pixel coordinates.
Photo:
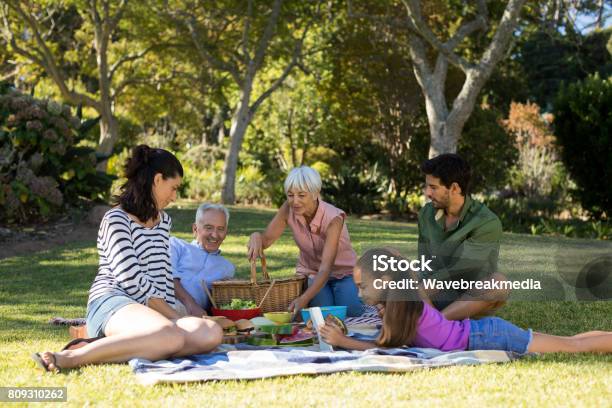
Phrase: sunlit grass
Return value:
(38, 286)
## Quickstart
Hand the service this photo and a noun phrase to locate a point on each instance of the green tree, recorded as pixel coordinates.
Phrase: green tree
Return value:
(377, 115)
(583, 127)
(438, 32)
(242, 40)
(550, 58)
(57, 35)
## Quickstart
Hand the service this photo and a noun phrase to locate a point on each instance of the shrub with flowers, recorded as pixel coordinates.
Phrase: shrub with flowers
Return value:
(41, 168)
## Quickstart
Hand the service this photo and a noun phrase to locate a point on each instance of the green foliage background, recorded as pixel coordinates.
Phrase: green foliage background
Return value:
(352, 108)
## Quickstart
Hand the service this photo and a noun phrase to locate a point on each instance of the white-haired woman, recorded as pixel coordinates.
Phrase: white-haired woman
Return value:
(326, 257)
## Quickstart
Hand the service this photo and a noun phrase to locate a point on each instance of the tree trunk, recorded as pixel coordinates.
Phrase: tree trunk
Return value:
(108, 123)
(437, 115)
(217, 128)
(243, 71)
(109, 132)
(600, 14)
(443, 139)
(207, 119)
(240, 122)
(109, 127)
(446, 125)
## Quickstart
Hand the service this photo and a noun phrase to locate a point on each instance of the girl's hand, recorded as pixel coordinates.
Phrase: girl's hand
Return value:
(255, 246)
(332, 334)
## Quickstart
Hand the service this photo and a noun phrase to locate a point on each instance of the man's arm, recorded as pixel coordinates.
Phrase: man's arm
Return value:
(478, 255)
(177, 248)
(423, 249)
(475, 303)
(193, 308)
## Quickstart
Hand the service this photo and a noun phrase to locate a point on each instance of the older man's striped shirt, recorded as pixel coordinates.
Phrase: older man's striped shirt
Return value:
(134, 260)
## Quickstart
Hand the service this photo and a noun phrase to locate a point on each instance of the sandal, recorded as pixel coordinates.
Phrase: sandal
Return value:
(45, 366)
(80, 342)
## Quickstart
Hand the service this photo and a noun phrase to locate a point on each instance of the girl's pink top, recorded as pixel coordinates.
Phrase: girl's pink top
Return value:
(310, 238)
(435, 331)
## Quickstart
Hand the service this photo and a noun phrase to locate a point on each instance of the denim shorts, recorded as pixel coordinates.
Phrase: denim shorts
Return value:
(100, 310)
(494, 333)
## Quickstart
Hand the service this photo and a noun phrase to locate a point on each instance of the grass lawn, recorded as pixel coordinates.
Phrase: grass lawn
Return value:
(35, 287)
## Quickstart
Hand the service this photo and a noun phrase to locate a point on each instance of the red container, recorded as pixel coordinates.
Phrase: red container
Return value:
(237, 314)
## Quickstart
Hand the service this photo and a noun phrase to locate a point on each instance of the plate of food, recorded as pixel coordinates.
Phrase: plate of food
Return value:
(296, 338)
(233, 331)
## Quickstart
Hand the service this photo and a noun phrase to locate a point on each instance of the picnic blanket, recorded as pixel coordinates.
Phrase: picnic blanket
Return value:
(241, 362)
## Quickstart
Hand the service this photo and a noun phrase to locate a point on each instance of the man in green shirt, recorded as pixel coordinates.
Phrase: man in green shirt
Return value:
(461, 236)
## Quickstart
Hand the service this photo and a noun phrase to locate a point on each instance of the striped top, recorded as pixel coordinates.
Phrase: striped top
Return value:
(134, 260)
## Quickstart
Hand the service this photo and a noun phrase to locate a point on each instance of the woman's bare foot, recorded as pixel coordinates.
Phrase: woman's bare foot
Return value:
(57, 361)
(47, 361)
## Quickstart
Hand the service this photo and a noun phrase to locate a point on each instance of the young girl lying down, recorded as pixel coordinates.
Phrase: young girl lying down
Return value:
(418, 324)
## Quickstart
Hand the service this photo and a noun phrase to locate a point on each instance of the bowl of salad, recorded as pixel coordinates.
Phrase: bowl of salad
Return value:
(237, 309)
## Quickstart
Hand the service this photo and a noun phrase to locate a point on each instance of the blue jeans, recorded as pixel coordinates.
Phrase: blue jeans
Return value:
(101, 309)
(494, 333)
(339, 292)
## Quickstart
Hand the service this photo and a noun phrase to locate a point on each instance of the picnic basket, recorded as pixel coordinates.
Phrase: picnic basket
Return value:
(282, 293)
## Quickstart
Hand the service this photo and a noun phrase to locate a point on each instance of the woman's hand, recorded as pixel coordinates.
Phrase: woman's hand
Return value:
(332, 334)
(297, 305)
(255, 246)
(260, 241)
(160, 305)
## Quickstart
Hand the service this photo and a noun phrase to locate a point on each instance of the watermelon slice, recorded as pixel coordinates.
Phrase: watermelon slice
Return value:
(300, 337)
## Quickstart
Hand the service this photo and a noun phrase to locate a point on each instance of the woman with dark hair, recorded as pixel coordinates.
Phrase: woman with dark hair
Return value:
(130, 307)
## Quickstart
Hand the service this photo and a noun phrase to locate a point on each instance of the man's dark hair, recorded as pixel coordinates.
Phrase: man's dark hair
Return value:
(449, 168)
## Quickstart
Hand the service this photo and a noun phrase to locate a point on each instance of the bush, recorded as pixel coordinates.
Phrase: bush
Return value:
(114, 166)
(41, 169)
(203, 167)
(583, 126)
(538, 180)
(250, 187)
(352, 192)
(521, 215)
(488, 149)
(202, 184)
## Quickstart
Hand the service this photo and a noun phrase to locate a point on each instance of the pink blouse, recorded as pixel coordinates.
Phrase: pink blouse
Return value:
(311, 240)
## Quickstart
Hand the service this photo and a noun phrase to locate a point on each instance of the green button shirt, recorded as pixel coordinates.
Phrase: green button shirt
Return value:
(468, 250)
